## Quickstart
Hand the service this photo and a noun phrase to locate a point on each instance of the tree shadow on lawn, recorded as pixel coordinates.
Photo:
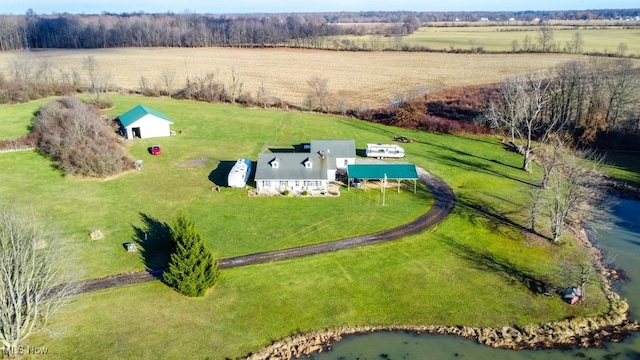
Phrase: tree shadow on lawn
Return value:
(484, 260)
(154, 241)
(474, 211)
(471, 162)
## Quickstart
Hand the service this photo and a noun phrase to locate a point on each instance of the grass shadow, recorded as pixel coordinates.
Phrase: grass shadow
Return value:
(282, 150)
(154, 242)
(473, 211)
(486, 261)
(472, 162)
(220, 175)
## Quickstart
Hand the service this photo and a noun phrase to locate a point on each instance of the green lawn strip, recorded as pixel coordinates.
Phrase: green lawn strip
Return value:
(423, 279)
(501, 38)
(16, 119)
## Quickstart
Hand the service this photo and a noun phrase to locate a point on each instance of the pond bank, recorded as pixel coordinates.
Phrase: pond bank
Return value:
(613, 326)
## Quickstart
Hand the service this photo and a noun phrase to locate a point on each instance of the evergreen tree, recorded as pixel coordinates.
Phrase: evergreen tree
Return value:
(192, 268)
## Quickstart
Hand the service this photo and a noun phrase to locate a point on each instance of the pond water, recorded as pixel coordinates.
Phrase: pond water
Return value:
(622, 243)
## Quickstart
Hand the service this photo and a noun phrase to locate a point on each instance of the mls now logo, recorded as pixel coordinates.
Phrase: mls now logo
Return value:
(24, 350)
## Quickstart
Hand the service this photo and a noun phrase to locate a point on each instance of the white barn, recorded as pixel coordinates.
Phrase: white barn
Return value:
(143, 122)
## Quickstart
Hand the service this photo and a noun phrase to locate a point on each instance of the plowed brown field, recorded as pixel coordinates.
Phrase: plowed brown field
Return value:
(358, 78)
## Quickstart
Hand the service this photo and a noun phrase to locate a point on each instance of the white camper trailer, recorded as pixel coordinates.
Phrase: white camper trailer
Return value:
(239, 174)
(381, 151)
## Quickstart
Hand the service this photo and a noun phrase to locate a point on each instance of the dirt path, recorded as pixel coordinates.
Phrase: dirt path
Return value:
(443, 205)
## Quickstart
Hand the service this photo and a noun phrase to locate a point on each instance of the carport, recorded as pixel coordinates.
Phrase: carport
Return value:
(382, 172)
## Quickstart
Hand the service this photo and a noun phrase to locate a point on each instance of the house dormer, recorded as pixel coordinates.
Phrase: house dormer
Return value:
(307, 163)
(275, 163)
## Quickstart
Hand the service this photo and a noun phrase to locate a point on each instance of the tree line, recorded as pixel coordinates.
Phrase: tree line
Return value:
(107, 30)
(594, 103)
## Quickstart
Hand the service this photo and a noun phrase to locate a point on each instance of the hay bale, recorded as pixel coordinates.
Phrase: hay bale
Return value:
(96, 235)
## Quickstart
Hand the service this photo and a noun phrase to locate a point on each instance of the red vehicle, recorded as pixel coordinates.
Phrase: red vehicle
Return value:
(155, 150)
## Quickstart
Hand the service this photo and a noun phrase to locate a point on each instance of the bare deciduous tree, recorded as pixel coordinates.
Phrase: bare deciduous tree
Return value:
(576, 194)
(145, 87)
(168, 78)
(526, 43)
(549, 158)
(545, 37)
(262, 95)
(235, 88)
(578, 271)
(22, 66)
(514, 45)
(622, 49)
(576, 43)
(519, 114)
(30, 277)
(537, 197)
(98, 79)
(320, 91)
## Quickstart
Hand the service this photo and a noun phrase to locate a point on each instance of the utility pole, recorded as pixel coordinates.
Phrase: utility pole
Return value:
(384, 189)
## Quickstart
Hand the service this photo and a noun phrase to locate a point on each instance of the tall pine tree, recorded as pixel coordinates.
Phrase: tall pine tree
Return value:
(192, 268)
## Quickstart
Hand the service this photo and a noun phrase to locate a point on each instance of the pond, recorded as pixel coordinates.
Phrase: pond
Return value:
(621, 243)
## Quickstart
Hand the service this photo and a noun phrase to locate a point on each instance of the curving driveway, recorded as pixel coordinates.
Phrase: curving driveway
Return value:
(443, 205)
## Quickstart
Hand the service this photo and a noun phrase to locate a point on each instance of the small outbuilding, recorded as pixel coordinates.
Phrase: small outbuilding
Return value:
(143, 122)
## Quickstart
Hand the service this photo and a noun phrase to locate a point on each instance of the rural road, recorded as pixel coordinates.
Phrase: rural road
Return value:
(443, 205)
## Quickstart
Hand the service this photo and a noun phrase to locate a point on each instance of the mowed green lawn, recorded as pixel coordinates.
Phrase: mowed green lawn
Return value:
(465, 271)
(132, 204)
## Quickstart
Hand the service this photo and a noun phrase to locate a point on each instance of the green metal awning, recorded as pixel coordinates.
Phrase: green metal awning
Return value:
(392, 171)
(138, 112)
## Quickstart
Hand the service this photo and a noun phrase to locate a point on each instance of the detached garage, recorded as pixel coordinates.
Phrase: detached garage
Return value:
(143, 122)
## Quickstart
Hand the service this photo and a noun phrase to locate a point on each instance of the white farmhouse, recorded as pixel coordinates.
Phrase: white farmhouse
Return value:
(143, 122)
(299, 172)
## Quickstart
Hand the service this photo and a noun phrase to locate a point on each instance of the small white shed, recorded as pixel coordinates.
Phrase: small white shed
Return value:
(143, 122)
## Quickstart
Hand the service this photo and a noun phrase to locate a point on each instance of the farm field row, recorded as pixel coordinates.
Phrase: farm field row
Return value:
(459, 272)
(358, 78)
(501, 39)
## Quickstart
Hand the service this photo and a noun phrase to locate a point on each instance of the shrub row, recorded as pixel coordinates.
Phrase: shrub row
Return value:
(79, 139)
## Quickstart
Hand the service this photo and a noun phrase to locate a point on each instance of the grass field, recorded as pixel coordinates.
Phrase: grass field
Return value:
(359, 78)
(465, 271)
(500, 38)
(181, 179)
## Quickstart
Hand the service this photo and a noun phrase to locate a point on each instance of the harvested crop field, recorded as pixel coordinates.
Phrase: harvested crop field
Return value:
(357, 78)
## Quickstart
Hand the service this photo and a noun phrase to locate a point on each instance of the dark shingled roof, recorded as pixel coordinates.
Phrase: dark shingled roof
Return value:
(291, 167)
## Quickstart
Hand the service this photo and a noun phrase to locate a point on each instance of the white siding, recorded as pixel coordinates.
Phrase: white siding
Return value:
(291, 185)
(150, 126)
(341, 163)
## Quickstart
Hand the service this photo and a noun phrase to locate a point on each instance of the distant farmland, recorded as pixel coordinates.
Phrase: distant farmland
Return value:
(604, 40)
(358, 78)
(595, 37)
